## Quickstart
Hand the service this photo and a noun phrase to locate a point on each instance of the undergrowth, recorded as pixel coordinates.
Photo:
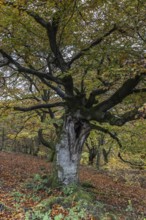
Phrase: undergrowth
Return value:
(72, 202)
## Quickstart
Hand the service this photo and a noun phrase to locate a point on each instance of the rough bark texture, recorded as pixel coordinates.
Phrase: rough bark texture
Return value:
(68, 150)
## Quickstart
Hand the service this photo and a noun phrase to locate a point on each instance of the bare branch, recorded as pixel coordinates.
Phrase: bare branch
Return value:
(141, 37)
(35, 107)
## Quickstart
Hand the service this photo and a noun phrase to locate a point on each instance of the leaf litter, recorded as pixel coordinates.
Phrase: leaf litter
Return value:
(17, 169)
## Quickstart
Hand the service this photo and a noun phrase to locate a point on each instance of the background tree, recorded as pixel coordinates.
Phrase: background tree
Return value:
(89, 54)
(26, 132)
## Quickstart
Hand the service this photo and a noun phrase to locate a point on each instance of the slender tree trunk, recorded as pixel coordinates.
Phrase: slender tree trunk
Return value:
(52, 156)
(105, 155)
(92, 155)
(3, 139)
(69, 149)
(98, 158)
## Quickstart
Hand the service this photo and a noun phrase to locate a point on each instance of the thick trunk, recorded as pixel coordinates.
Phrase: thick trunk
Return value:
(69, 149)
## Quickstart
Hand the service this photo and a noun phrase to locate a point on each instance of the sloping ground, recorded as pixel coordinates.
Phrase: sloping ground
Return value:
(114, 192)
(16, 169)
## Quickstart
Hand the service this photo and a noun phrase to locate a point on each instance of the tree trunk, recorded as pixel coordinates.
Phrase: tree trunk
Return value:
(92, 155)
(69, 149)
(3, 139)
(98, 158)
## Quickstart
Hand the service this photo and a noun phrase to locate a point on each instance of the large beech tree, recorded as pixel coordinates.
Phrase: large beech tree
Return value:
(89, 54)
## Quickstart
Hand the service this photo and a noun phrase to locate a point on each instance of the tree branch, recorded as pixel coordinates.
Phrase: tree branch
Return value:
(93, 44)
(114, 136)
(48, 144)
(93, 94)
(29, 71)
(125, 90)
(106, 131)
(4, 64)
(139, 90)
(52, 28)
(129, 162)
(131, 115)
(38, 19)
(55, 88)
(35, 107)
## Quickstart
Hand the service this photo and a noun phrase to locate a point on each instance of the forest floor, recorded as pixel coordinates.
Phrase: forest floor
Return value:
(122, 190)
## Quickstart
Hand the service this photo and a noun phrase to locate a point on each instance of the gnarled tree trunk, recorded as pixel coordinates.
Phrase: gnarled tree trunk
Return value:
(69, 149)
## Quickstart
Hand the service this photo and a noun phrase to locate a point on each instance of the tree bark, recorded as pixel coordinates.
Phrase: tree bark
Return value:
(69, 149)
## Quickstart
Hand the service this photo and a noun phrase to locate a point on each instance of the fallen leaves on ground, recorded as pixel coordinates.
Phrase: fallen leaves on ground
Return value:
(16, 169)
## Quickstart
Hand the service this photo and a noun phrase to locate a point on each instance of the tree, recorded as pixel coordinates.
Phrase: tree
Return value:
(89, 54)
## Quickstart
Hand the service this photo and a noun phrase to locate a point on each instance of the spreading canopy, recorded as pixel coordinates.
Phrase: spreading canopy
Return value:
(89, 54)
